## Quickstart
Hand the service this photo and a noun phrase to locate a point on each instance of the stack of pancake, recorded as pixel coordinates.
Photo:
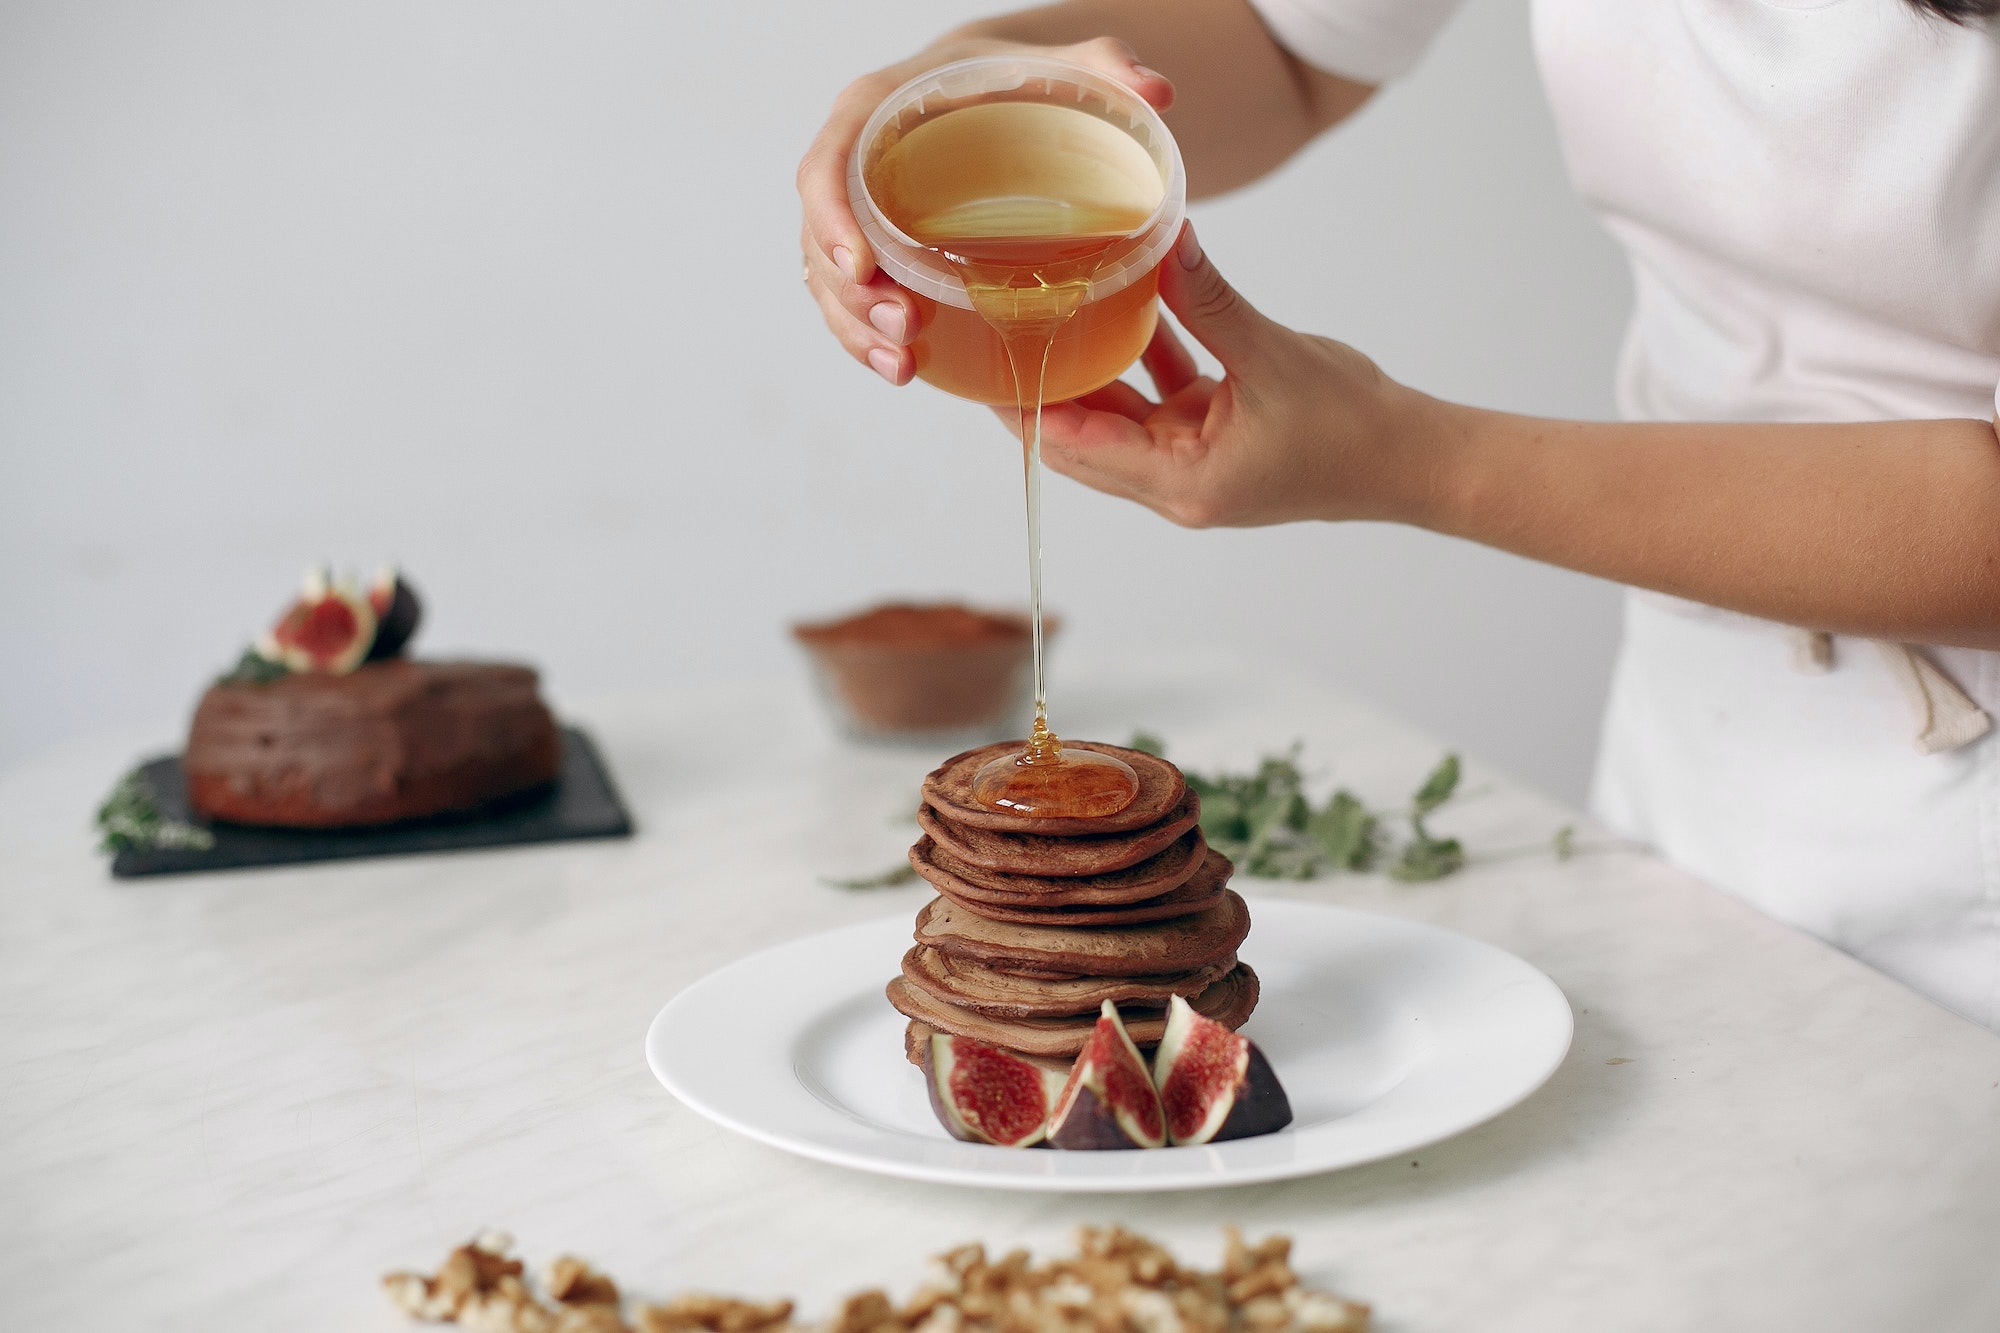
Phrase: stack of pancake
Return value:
(1039, 920)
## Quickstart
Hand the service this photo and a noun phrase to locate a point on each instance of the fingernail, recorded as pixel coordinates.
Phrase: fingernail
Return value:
(889, 319)
(843, 259)
(885, 363)
(1188, 249)
(1148, 72)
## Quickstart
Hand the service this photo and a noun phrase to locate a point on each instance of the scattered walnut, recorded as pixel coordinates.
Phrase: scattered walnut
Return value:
(1118, 1282)
(714, 1314)
(467, 1277)
(574, 1282)
(591, 1319)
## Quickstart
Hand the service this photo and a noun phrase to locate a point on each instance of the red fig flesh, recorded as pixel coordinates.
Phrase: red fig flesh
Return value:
(328, 629)
(397, 612)
(982, 1094)
(1215, 1084)
(1109, 1100)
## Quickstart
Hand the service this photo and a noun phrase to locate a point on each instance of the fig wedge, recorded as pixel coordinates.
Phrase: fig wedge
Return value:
(328, 629)
(982, 1094)
(1109, 1100)
(1214, 1084)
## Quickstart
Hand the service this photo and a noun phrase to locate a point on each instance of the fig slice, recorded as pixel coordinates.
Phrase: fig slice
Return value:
(1109, 1100)
(397, 611)
(983, 1094)
(1214, 1084)
(328, 629)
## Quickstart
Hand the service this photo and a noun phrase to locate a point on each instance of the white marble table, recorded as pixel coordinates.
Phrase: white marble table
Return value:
(231, 1101)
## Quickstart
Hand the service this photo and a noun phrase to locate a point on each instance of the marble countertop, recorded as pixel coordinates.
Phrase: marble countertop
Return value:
(232, 1101)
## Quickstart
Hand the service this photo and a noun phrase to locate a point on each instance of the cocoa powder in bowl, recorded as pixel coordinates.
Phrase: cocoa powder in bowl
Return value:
(915, 669)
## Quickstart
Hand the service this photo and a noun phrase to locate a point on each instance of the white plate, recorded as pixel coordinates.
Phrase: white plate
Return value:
(1387, 1035)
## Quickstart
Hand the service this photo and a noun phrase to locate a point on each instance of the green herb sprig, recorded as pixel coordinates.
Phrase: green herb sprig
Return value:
(253, 668)
(1265, 822)
(129, 820)
(893, 877)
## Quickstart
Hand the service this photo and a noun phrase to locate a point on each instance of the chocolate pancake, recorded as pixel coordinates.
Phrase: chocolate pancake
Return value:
(1228, 1001)
(972, 986)
(949, 789)
(1197, 894)
(1179, 945)
(1150, 878)
(1045, 857)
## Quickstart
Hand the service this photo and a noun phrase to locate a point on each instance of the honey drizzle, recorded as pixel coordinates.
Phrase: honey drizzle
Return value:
(1042, 779)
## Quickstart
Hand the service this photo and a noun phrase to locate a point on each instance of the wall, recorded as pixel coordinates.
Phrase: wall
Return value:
(508, 292)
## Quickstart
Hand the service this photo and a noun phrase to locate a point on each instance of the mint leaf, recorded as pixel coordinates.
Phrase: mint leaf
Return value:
(1438, 787)
(1345, 831)
(1426, 859)
(1147, 743)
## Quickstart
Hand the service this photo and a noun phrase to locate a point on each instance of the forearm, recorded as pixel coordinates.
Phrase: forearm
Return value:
(1889, 530)
(1242, 103)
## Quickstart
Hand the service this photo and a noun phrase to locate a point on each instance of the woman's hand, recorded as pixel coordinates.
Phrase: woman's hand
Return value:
(875, 320)
(1299, 427)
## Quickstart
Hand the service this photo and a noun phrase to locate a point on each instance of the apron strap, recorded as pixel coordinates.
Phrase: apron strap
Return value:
(1946, 717)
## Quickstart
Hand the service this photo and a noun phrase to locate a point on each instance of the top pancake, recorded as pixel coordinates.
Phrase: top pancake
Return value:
(949, 789)
(1059, 858)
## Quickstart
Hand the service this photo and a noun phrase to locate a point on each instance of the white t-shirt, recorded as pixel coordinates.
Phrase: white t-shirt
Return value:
(1808, 191)
(1809, 194)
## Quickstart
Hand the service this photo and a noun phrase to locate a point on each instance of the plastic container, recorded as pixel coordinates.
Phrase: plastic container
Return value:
(958, 351)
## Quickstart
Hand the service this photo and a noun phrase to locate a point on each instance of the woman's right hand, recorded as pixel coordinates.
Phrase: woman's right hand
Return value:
(873, 318)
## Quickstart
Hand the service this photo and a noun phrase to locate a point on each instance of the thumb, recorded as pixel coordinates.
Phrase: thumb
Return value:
(1212, 311)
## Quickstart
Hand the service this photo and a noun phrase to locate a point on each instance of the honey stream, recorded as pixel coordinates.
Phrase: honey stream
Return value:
(1027, 288)
(1027, 201)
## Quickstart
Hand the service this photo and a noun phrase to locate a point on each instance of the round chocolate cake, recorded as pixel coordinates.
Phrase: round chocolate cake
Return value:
(393, 740)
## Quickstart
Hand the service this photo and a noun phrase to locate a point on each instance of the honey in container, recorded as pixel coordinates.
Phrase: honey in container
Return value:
(1007, 165)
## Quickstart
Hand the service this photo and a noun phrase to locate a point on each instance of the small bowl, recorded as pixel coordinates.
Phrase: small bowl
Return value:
(934, 674)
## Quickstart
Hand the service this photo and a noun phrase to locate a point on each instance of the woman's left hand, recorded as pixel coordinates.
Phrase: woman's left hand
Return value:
(1299, 427)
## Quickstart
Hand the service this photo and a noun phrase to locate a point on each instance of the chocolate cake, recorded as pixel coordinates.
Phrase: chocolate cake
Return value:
(325, 724)
(390, 741)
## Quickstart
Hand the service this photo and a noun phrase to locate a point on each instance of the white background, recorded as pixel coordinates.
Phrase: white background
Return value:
(508, 292)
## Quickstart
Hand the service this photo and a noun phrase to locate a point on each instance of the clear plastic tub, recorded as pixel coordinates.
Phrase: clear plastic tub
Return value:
(957, 350)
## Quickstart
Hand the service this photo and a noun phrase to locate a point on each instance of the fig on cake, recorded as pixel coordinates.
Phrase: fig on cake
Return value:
(329, 629)
(397, 611)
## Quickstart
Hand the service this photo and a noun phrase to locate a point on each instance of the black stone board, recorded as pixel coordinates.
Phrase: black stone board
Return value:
(580, 803)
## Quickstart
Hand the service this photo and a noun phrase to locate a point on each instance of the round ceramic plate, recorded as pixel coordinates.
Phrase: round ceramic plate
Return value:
(1387, 1035)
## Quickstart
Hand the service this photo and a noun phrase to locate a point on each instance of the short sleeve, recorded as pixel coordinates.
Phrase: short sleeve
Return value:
(1369, 41)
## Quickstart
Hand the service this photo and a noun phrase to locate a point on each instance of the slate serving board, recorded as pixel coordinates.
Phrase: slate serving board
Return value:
(581, 803)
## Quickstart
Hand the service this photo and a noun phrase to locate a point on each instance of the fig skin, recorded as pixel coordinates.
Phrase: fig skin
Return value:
(941, 1055)
(397, 612)
(1088, 1115)
(1244, 1098)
